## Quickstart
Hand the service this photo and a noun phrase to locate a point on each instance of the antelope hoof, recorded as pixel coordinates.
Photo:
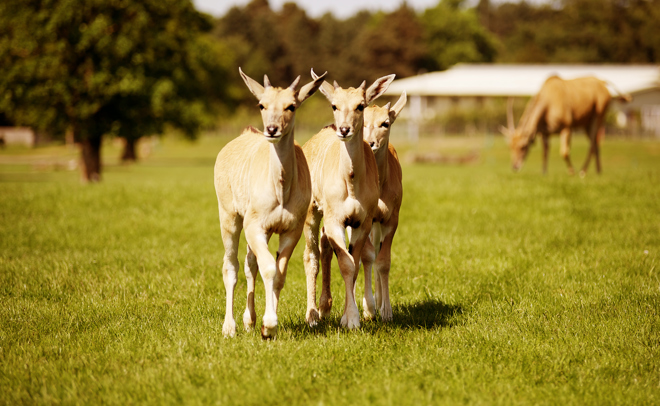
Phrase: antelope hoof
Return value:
(325, 307)
(248, 320)
(350, 322)
(229, 328)
(583, 174)
(386, 314)
(369, 306)
(312, 317)
(268, 333)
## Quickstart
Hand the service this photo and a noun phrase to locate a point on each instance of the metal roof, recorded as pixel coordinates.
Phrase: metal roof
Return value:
(520, 80)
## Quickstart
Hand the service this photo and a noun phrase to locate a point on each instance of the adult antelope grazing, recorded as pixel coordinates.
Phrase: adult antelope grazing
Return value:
(559, 107)
(344, 193)
(263, 186)
(377, 125)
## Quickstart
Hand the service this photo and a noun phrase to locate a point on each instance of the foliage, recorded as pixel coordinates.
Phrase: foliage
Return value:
(454, 34)
(507, 289)
(578, 31)
(125, 67)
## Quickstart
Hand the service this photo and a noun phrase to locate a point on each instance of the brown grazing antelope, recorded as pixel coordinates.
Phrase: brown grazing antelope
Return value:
(263, 186)
(559, 107)
(344, 193)
(377, 125)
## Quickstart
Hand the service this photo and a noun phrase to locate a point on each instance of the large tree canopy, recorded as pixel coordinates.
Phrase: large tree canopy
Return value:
(97, 67)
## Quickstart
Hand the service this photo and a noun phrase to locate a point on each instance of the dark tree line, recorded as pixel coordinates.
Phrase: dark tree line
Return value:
(367, 45)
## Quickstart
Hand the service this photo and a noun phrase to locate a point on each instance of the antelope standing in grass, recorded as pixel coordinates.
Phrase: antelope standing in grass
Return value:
(559, 107)
(377, 125)
(263, 186)
(344, 193)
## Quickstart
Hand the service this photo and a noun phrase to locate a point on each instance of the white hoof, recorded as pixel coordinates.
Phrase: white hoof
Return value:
(268, 333)
(312, 317)
(369, 307)
(269, 327)
(229, 328)
(248, 321)
(350, 322)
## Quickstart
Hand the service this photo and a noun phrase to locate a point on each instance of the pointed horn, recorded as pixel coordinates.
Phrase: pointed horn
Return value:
(295, 83)
(335, 84)
(509, 115)
(363, 85)
(266, 82)
(387, 106)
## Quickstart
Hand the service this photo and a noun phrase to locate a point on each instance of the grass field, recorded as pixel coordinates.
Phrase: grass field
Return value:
(506, 288)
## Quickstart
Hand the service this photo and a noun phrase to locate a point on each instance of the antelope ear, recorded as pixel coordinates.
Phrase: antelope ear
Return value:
(311, 87)
(378, 88)
(398, 106)
(255, 88)
(326, 88)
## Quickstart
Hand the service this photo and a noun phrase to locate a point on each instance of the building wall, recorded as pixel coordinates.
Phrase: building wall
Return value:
(17, 136)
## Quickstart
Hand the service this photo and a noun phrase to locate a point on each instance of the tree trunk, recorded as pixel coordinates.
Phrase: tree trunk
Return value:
(90, 149)
(129, 155)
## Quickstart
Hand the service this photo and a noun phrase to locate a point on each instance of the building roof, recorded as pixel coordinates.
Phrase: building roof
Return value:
(521, 80)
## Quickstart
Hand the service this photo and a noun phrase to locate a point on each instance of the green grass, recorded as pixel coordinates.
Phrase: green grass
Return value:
(507, 288)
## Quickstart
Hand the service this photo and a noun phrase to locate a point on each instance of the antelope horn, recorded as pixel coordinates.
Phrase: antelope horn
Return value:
(295, 83)
(335, 84)
(266, 82)
(363, 85)
(387, 106)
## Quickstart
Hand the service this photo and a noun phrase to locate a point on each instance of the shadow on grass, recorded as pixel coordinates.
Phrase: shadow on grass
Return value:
(428, 314)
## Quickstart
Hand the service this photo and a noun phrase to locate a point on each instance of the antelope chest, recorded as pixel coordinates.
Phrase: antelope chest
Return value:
(382, 212)
(353, 213)
(279, 220)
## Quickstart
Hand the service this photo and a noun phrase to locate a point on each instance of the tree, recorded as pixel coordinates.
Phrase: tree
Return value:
(98, 67)
(392, 43)
(454, 34)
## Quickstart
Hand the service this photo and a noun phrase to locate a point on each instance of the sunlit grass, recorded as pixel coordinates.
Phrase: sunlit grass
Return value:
(507, 288)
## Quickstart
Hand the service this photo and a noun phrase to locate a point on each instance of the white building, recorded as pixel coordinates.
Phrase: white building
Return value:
(433, 93)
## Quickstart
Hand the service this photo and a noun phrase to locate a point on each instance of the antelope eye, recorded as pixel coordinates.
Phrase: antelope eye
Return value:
(261, 106)
(334, 108)
(360, 107)
(385, 125)
(291, 108)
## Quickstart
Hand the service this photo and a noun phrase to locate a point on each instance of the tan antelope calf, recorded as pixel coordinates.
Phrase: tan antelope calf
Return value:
(344, 193)
(263, 186)
(377, 125)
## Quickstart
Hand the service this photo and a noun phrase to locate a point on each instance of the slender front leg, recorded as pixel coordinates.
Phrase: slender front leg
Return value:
(546, 148)
(288, 242)
(369, 253)
(383, 263)
(593, 132)
(325, 303)
(565, 148)
(258, 242)
(348, 265)
(230, 227)
(251, 269)
(311, 262)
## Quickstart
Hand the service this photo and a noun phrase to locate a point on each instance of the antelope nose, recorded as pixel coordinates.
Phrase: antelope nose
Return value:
(344, 130)
(372, 143)
(272, 129)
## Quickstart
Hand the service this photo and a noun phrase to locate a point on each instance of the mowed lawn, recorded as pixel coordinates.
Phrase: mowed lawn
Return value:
(506, 288)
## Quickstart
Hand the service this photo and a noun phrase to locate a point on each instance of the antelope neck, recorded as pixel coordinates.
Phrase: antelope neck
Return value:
(382, 163)
(351, 156)
(282, 167)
